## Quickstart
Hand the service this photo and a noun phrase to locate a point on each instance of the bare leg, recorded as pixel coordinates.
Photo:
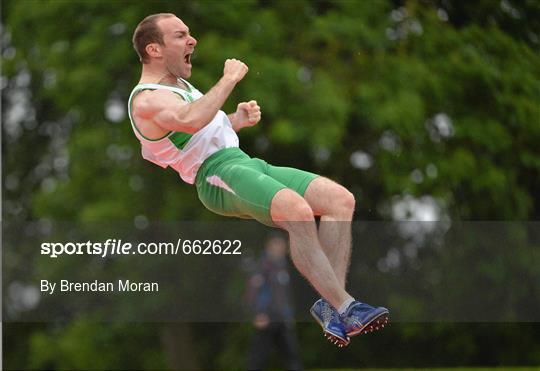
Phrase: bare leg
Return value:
(335, 205)
(292, 213)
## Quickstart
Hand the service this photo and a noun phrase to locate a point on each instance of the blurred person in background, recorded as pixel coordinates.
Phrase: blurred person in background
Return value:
(268, 297)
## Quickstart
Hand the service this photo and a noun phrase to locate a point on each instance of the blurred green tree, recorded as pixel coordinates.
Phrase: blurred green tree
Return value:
(395, 100)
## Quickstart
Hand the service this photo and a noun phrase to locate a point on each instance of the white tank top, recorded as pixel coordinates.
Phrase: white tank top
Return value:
(185, 152)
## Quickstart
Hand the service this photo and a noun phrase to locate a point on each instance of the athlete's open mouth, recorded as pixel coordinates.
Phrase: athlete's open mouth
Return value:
(187, 58)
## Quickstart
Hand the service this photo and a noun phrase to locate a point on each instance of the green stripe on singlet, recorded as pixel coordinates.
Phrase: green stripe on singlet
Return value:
(180, 139)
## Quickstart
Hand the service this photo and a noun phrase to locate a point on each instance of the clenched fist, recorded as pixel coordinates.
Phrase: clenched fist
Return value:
(235, 69)
(247, 114)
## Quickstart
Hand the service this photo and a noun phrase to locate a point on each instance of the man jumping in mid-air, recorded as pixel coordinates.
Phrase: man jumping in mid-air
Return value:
(181, 128)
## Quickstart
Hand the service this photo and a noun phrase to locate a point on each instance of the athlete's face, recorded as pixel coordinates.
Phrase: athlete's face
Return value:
(178, 46)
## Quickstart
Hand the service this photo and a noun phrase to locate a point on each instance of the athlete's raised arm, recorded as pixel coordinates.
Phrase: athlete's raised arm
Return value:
(168, 111)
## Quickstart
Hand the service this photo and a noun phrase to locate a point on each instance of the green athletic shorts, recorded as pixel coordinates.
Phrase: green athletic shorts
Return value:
(231, 183)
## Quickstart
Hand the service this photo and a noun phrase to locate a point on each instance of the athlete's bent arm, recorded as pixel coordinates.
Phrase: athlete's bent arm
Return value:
(165, 109)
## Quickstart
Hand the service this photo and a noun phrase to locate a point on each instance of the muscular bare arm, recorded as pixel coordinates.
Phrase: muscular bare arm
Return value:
(165, 109)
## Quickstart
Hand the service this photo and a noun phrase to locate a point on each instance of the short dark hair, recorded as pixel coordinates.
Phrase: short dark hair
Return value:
(148, 32)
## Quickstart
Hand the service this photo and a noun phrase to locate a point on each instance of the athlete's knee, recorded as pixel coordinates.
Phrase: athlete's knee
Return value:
(343, 201)
(290, 206)
(346, 199)
(300, 211)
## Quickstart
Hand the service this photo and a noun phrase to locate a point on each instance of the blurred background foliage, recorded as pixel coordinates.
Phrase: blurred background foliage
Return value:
(426, 110)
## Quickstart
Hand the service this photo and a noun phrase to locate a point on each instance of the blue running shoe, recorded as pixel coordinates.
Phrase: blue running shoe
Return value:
(330, 322)
(361, 318)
